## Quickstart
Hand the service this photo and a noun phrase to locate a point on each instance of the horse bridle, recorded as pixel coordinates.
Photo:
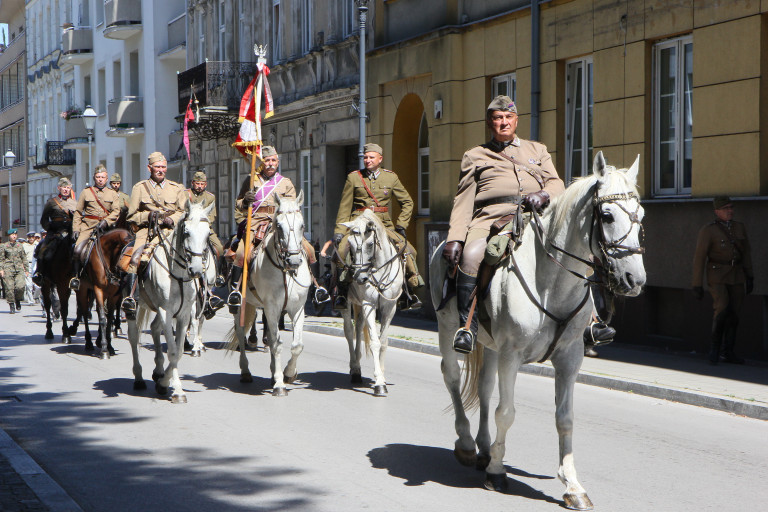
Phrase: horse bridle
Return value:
(282, 253)
(181, 257)
(379, 285)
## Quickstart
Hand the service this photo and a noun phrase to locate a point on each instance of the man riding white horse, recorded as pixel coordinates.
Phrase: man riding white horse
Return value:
(155, 202)
(98, 208)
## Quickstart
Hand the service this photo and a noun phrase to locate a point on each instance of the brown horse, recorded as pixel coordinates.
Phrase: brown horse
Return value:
(102, 283)
(55, 265)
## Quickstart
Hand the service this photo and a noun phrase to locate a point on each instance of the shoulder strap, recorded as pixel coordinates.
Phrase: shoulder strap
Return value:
(367, 189)
(97, 200)
(535, 173)
(157, 203)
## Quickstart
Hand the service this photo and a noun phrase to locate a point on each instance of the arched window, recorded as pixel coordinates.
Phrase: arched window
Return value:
(423, 199)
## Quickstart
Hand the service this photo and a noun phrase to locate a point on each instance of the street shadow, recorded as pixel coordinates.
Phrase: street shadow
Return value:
(438, 465)
(231, 382)
(333, 381)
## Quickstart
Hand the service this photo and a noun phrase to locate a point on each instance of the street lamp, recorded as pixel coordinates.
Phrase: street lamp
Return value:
(9, 159)
(362, 7)
(89, 118)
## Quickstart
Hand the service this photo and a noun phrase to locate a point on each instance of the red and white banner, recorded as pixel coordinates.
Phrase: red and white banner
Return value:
(249, 138)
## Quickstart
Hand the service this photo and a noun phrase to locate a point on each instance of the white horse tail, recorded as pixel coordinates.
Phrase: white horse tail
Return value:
(473, 363)
(231, 342)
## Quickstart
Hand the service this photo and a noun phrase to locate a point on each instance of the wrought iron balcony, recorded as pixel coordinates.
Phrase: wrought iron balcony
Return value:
(218, 87)
(76, 46)
(122, 18)
(56, 154)
(125, 116)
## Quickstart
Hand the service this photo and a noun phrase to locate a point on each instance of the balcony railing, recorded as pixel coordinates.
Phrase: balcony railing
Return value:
(122, 18)
(56, 154)
(76, 46)
(125, 116)
(217, 85)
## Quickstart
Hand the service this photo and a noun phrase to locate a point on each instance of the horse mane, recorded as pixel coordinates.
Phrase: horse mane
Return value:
(579, 193)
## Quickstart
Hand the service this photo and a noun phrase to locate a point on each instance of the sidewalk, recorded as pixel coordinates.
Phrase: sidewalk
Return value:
(685, 378)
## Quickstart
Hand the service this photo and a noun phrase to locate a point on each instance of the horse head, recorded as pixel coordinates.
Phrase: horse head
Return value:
(363, 239)
(617, 225)
(288, 228)
(195, 230)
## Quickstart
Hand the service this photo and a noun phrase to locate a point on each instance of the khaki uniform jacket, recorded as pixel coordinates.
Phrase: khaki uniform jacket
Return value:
(206, 198)
(284, 189)
(124, 199)
(12, 258)
(170, 199)
(57, 213)
(355, 197)
(726, 262)
(88, 212)
(486, 175)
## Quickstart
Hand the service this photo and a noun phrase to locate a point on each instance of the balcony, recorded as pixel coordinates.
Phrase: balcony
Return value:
(122, 18)
(75, 133)
(177, 39)
(56, 155)
(218, 88)
(125, 116)
(76, 46)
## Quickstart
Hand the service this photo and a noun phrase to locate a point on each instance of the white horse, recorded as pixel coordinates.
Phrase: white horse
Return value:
(170, 288)
(279, 280)
(377, 282)
(196, 325)
(538, 310)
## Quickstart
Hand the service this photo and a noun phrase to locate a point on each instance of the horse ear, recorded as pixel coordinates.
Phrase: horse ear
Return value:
(207, 211)
(300, 198)
(599, 165)
(632, 171)
(278, 199)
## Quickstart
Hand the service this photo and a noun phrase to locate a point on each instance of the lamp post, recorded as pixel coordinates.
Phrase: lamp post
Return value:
(89, 118)
(9, 159)
(362, 7)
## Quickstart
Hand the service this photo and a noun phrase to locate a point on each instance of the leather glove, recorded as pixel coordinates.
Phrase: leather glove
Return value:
(337, 239)
(400, 231)
(750, 285)
(168, 222)
(102, 225)
(698, 292)
(537, 200)
(452, 252)
(249, 197)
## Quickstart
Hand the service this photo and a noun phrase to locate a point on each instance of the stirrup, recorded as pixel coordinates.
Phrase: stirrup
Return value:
(74, 284)
(235, 298)
(459, 343)
(129, 308)
(321, 296)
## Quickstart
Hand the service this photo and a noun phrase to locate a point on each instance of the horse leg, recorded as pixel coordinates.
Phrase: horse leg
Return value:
(368, 324)
(486, 383)
(103, 332)
(355, 372)
(134, 338)
(297, 346)
(386, 314)
(195, 330)
(46, 296)
(272, 333)
(245, 373)
(156, 327)
(253, 337)
(110, 310)
(566, 370)
(175, 351)
(495, 473)
(66, 332)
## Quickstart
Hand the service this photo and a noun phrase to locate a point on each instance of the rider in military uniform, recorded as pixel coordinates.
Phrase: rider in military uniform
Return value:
(98, 208)
(372, 189)
(723, 249)
(495, 178)
(56, 220)
(154, 202)
(115, 182)
(13, 270)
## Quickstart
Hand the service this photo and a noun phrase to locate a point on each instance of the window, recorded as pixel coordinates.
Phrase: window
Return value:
(200, 37)
(578, 118)
(673, 118)
(504, 85)
(117, 77)
(133, 73)
(222, 50)
(87, 90)
(84, 14)
(277, 33)
(244, 40)
(423, 198)
(349, 17)
(99, 12)
(306, 185)
(306, 33)
(102, 93)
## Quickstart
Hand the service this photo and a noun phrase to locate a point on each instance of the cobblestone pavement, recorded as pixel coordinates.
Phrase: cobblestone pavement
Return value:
(15, 494)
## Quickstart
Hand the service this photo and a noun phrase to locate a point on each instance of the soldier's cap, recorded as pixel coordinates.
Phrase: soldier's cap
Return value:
(155, 157)
(64, 182)
(503, 103)
(199, 176)
(372, 147)
(721, 201)
(115, 178)
(31, 233)
(11, 231)
(268, 151)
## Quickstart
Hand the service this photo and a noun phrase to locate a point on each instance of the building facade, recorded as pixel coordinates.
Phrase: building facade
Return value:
(13, 71)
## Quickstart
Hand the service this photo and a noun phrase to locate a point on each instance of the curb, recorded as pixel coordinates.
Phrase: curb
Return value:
(716, 402)
(45, 488)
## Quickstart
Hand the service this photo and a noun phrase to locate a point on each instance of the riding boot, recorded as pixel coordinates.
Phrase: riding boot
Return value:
(464, 340)
(235, 298)
(718, 328)
(598, 333)
(729, 340)
(129, 303)
(340, 301)
(74, 283)
(408, 299)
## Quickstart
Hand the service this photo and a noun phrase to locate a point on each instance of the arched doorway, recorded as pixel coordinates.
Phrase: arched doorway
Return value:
(405, 152)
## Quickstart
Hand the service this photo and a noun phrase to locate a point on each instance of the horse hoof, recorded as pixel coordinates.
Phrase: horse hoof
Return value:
(104, 355)
(246, 378)
(578, 502)
(494, 482)
(279, 392)
(356, 378)
(380, 390)
(49, 335)
(291, 379)
(139, 385)
(483, 459)
(72, 331)
(465, 457)
(179, 399)
(195, 353)
(161, 390)
(157, 376)
(66, 340)
(111, 351)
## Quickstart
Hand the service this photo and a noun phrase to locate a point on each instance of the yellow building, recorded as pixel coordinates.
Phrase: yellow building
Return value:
(625, 77)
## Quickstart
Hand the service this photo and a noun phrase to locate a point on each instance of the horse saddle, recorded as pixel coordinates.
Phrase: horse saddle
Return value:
(129, 257)
(83, 250)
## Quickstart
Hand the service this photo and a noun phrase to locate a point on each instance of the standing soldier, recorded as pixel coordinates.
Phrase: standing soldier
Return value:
(723, 249)
(372, 189)
(97, 209)
(124, 199)
(56, 220)
(13, 270)
(154, 201)
(495, 178)
(29, 252)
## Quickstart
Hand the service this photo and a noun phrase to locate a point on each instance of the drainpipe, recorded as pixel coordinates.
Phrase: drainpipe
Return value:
(535, 78)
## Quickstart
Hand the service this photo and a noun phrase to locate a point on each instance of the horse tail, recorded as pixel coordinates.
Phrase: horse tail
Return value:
(231, 343)
(473, 363)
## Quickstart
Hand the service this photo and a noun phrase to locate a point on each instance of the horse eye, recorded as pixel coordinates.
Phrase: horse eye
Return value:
(607, 217)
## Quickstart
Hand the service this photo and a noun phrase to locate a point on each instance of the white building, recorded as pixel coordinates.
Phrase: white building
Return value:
(119, 56)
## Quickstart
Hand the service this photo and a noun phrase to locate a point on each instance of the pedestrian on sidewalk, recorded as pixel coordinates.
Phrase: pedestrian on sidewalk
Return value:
(723, 249)
(13, 270)
(29, 246)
